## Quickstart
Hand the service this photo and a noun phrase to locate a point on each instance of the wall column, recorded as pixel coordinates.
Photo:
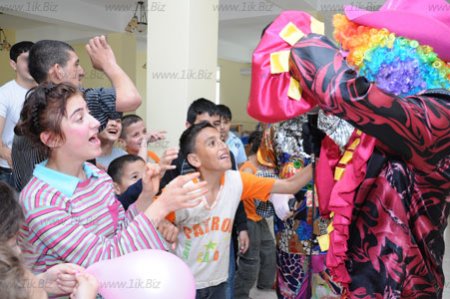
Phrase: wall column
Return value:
(181, 61)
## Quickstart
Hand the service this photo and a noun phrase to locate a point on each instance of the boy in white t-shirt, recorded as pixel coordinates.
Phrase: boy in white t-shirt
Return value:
(204, 238)
(12, 96)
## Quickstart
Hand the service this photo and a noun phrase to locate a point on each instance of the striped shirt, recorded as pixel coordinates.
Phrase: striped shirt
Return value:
(25, 154)
(81, 222)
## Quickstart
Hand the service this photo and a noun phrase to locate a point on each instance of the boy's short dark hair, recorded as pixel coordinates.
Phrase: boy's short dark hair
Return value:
(44, 55)
(187, 139)
(254, 139)
(19, 48)
(115, 168)
(11, 214)
(224, 111)
(198, 107)
(128, 120)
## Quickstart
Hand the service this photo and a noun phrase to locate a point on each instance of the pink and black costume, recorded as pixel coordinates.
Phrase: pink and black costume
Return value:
(390, 204)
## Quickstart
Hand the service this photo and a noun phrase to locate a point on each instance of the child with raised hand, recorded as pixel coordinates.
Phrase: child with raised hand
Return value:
(205, 231)
(135, 139)
(127, 170)
(71, 213)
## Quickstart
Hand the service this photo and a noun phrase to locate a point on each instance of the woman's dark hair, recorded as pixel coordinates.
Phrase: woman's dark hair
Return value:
(43, 110)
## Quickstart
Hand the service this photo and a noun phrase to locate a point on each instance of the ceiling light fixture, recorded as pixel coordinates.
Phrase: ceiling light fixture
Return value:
(138, 22)
(4, 44)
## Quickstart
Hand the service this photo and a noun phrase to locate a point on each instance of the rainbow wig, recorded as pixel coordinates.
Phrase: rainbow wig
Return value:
(398, 65)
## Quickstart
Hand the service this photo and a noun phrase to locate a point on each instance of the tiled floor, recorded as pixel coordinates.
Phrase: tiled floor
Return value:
(257, 294)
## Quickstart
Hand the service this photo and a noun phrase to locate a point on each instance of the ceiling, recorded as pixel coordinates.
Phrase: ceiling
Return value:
(240, 21)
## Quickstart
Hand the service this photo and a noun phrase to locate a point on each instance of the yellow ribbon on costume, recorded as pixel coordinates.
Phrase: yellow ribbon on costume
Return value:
(279, 61)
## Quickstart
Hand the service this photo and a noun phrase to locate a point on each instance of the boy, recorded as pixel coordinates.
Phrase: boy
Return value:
(200, 110)
(234, 143)
(12, 96)
(204, 245)
(135, 138)
(108, 137)
(125, 171)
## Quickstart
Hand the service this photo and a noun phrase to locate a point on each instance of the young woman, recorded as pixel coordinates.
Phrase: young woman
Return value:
(71, 212)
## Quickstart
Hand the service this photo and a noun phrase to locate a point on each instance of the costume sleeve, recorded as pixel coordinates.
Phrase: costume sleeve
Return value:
(256, 187)
(101, 103)
(415, 127)
(65, 237)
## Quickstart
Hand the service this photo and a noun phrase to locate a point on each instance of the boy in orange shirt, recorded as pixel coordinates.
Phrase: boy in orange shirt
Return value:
(205, 231)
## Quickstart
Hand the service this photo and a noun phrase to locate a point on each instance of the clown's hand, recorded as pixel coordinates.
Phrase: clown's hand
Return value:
(281, 205)
(308, 56)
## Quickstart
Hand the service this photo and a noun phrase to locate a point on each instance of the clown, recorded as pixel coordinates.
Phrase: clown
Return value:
(388, 193)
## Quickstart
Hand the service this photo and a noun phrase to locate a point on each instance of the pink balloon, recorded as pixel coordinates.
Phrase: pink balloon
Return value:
(144, 274)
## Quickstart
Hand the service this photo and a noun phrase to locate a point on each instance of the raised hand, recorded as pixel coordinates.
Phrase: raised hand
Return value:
(165, 162)
(154, 136)
(101, 54)
(150, 179)
(177, 195)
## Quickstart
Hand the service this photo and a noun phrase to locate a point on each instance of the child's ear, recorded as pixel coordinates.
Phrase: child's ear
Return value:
(117, 188)
(122, 143)
(13, 64)
(50, 139)
(194, 160)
